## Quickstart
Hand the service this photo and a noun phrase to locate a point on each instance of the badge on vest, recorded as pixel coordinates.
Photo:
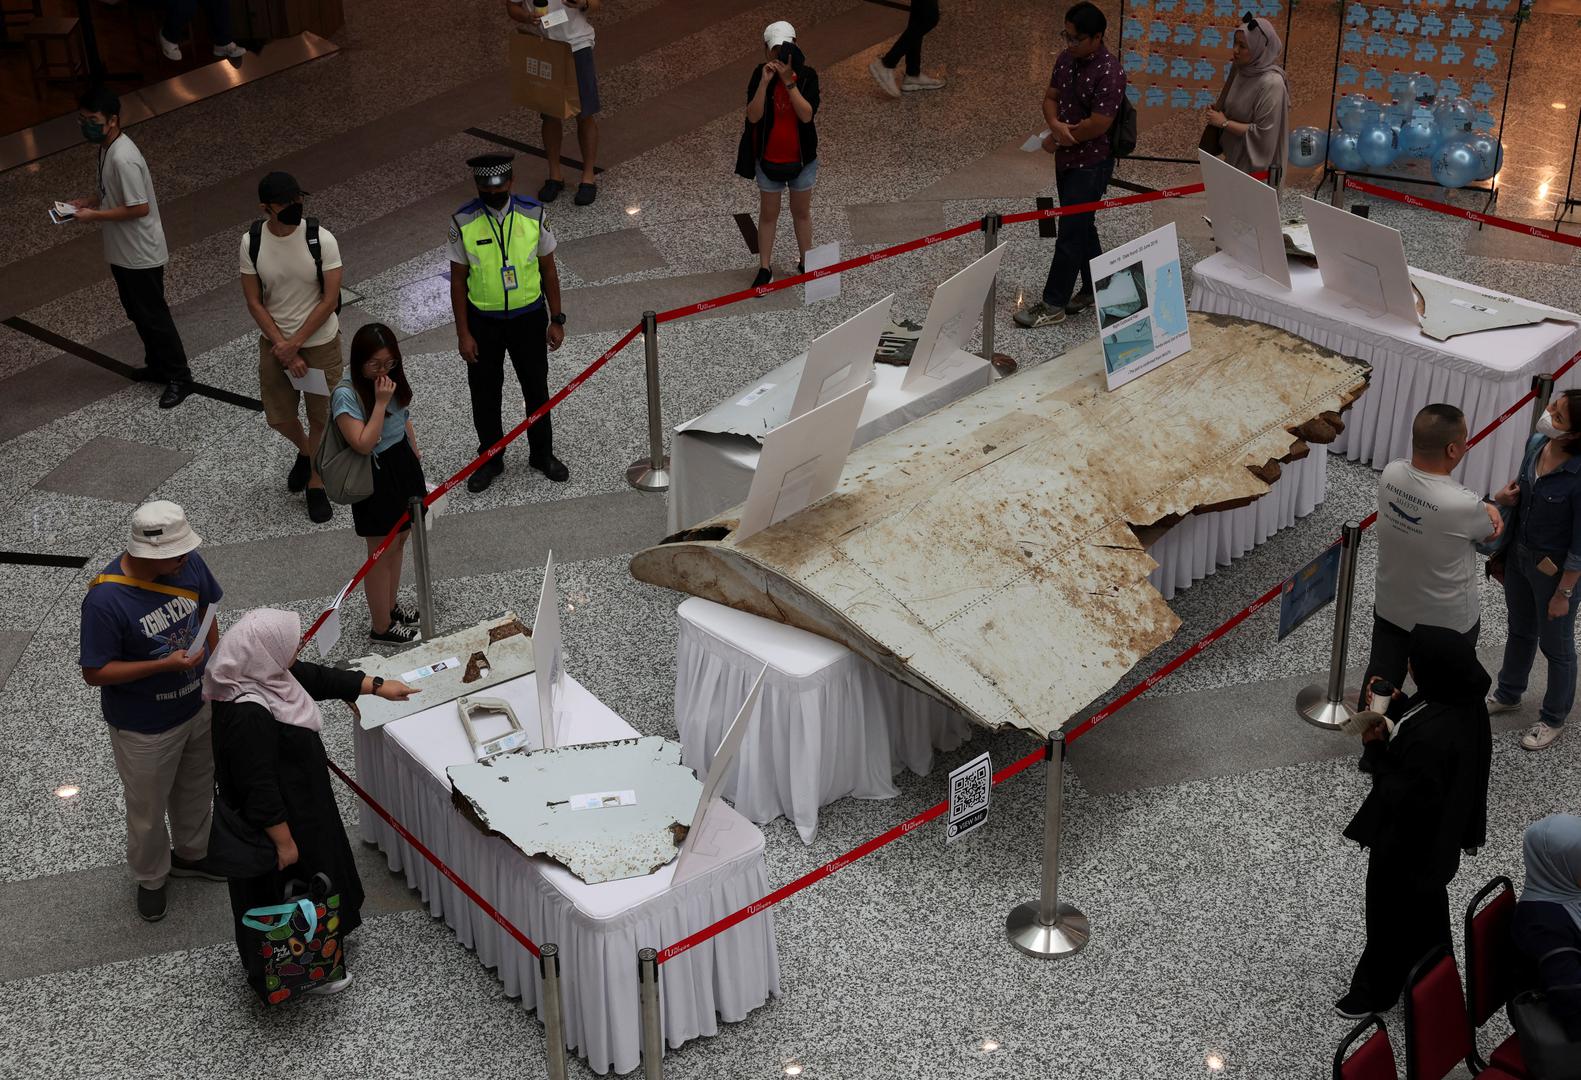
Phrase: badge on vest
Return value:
(508, 274)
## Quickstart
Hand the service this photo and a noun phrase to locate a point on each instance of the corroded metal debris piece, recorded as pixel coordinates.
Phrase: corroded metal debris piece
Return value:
(605, 811)
(987, 553)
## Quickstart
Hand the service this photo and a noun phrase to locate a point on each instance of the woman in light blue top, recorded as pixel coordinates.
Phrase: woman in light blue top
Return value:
(371, 409)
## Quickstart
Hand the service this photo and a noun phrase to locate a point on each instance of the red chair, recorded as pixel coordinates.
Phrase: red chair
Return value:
(1437, 1029)
(1373, 1059)
(1493, 971)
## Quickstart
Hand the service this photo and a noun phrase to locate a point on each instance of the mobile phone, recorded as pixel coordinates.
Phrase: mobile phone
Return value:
(784, 53)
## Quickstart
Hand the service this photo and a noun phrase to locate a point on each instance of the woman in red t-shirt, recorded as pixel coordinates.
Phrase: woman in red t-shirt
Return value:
(779, 147)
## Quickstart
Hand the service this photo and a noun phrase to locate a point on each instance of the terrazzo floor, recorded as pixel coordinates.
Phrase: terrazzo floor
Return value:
(1225, 907)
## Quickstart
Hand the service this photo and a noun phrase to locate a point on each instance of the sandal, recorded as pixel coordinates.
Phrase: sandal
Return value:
(550, 191)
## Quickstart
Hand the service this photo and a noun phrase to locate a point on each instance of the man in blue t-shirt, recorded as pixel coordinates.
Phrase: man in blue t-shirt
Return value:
(138, 623)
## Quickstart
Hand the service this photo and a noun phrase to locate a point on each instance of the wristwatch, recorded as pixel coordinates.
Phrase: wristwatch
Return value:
(558, 320)
(1566, 593)
(378, 681)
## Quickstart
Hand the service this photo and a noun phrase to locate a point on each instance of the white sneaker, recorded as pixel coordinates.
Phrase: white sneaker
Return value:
(230, 51)
(326, 989)
(171, 50)
(1541, 736)
(884, 77)
(1496, 706)
(921, 82)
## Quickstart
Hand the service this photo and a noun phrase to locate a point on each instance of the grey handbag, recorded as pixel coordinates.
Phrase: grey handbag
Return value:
(347, 475)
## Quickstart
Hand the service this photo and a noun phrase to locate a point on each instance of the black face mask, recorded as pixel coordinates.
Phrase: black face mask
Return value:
(495, 200)
(92, 130)
(291, 215)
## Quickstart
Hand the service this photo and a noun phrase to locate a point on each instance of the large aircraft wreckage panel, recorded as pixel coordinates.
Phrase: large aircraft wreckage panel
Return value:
(605, 811)
(987, 553)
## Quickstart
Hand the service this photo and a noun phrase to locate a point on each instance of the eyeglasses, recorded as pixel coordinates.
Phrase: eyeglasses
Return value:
(1072, 39)
(382, 369)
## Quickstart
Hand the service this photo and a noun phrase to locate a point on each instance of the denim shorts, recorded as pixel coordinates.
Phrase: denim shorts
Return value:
(803, 181)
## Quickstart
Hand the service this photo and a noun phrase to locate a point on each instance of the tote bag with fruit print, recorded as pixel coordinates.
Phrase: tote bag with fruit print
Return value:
(295, 946)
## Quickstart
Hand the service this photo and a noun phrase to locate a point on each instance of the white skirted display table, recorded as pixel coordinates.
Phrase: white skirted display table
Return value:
(711, 471)
(829, 725)
(598, 928)
(1483, 373)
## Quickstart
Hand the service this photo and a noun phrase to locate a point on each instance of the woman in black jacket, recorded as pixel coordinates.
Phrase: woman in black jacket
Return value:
(779, 144)
(1548, 918)
(270, 766)
(1429, 802)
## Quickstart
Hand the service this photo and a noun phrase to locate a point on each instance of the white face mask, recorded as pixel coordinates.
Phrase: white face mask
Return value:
(1546, 428)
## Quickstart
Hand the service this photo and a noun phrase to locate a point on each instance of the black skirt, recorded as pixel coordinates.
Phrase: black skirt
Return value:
(397, 476)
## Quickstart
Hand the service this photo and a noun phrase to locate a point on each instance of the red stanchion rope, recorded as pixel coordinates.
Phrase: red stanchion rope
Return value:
(1455, 211)
(422, 849)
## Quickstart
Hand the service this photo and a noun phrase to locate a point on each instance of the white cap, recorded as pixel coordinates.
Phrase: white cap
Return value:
(778, 33)
(160, 531)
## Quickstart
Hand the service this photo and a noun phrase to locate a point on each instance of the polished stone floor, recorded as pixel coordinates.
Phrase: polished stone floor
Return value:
(1202, 831)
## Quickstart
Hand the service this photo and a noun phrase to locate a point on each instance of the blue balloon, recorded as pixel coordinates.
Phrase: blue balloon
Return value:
(1456, 117)
(1355, 112)
(1455, 164)
(1376, 145)
(1418, 136)
(1421, 88)
(1489, 153)
(1397, 113)
(1308, 147)
(1342, 151)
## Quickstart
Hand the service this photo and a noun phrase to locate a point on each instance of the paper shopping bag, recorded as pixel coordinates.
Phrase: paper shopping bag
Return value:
(543, 76)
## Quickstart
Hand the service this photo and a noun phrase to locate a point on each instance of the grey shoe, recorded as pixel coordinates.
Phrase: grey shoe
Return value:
(1495, 706)
(1541, 736)
(1079, 303)
(1039, 314)
(884, 77)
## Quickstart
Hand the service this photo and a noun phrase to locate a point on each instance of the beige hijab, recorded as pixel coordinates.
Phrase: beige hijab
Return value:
(253, 660)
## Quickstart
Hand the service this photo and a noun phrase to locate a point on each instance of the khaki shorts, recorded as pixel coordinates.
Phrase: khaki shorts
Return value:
(280, 399)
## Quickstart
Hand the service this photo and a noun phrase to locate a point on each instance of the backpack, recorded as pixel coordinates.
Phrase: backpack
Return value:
(1122, 133)
(255, 241)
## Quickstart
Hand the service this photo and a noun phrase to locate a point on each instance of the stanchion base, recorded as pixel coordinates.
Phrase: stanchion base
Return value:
(1068, 935)
(644, 476)
(1315, 708)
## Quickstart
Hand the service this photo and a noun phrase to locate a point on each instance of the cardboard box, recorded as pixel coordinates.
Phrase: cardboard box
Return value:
(543, 76)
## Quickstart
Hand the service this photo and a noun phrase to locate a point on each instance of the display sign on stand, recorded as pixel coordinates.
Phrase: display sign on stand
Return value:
(700, 850)
(842, 359)
(801, 462)
(548, 659)
(824, 288)
(953, 315)
(1245, 217)
(1308, 591)
(1140, 303)
(1362, 260)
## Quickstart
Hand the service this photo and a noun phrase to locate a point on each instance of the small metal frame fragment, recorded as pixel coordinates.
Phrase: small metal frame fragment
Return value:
(514, 739)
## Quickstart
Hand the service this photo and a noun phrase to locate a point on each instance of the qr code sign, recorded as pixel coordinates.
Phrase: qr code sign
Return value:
(969, 790)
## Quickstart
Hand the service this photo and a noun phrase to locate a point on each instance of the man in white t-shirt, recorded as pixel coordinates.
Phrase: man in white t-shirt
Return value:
(566, 20)
(291, 272)
(134, 242)
(1428, 529)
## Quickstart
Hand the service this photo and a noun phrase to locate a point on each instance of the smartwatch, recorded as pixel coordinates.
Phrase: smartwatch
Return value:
(558, 320)
(378, 681)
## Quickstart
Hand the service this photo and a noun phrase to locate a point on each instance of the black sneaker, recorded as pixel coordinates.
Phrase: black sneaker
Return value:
(765, 275)
(552, 467)
(397, 634)
(318, 508)
(480, 480)
(151, 903)
(405, 616)
(175, 393)
(301, 471)
(197, 868)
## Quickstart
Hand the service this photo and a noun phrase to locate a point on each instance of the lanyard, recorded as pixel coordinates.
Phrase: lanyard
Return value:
(502, 235)
(102, 151)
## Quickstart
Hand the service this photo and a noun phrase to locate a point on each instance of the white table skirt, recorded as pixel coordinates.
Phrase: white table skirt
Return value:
(710, 472)
(598, 928)
(830, 724)
(1482, 373)
(1201, 543)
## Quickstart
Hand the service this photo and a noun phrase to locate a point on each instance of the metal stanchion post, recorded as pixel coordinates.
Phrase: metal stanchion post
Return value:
(551, 1011)
(648, 1010)
(420, 567)
(1339, 188)
(990, 302)
(651, 473)
(1045, 927)
(1328, 706)
(1543, 386)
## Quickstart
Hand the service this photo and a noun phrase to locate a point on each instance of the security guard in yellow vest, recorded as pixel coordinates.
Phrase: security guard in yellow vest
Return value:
(505, 292)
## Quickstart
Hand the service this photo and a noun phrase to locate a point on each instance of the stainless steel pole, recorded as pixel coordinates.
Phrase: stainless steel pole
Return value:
(420, 567)
(990, 302)
(648, 1005)
(1544, 386)
(1045, 927)
(1329, 706)
(651, 473)
(551, 1010)
(1339, 188)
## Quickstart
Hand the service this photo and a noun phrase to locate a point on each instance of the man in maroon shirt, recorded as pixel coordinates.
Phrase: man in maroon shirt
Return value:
(1081, 102)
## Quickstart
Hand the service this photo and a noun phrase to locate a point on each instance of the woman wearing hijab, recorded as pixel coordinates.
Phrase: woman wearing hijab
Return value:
(270, 766)
(1548, 917)
(1429, 801)
(1253, 110)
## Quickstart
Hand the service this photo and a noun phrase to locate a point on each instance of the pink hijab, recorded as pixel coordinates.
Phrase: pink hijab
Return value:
(253, 659)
